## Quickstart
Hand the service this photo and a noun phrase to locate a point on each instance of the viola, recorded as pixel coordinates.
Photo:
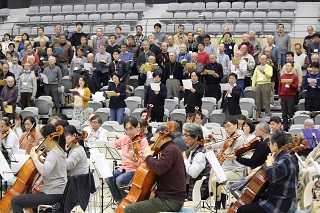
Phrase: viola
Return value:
(200, 143)
(80, 137)
(144, 178)
(135, 147)
(227, 144)
(240, 150)
(259, 181)
(25, 176)
(5, 134)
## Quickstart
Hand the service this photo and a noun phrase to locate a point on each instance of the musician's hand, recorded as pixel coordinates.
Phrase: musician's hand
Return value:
(5, 104)
(33, 153)
(270, 159)
(231, 157)
(184, 155)
(253, 171)
(94, 135)
(208, 146)
(147, 151)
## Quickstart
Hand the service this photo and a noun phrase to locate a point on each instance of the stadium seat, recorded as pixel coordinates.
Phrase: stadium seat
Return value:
(214, 28)
(186, 6)
(25, 30)
(208, 16)
(299, 119)
(180, 15)
(198, 6)
(78, 9)
(225, 6)
(32, 11)
(104, 115)
(127, 7)
(269, 28)
(170, 28)
(45, 19)
(212, 6)
(188, 27)
(219, 16)
(107, 17)
(217, 117)
(276, 5)
(132, 104)
(114, 7)
(287, 16)
(250, 5)
(257, 27)
(83, 17)
(192, 16)
(75, 123)
(290, 5)
(139, 7)
(136, 113)
(91, 8)
(263, 5)
(55, 9)
(248, 104)
(246, 16)
(233, 15)
(259, 16)
(178, 114)
(166, 17)
(35, 19)
(95, 27)
(241, 28)
(44, 10)
(125, 28)
(173, 7)
(132, 17)
(119, 17)
(239, 5)
(273, 16)
(229, 25)
(67, 9)
(170, 104)
(301, 104)
(94, 17)
(58, 19)
(317, 120)
(70, 18)
(102, 8)
(209, 103)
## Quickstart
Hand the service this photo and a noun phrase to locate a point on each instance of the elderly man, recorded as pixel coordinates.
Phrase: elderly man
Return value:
(180, 37)
(15, 68)
(5, 74)
(296, 69)
(226, 30)
(224, 60)
(251, 65)
(275, 50)
(162, 59)
(230, 47)
(301, 58)
(42, 49)
(308, 40)
(192, 45)
(261, 80)
(153, 46)
(104, 58)
(28, 53)
(256, 45)
(100, 39)
(187, 70)
(57, 33)
(173, 77)
(315, 45)
(212, 85)
(283, 41)
(172, 47)
(23, 52)
(53, 87)
(272, 61)
(200, 37)
(245, 41)
(143, 56)
(183, 55)
(93, 74)
(63, 51)
(240, 67)
(8, 97)
(27, 87)
(145, 75)
(84, 45)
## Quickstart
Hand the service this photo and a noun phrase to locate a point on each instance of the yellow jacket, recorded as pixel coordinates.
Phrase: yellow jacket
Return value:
(85, 98)
(260, 78)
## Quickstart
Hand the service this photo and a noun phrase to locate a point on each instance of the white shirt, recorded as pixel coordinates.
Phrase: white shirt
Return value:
(197, 165)
(101, 133)
(174, 49)
(241, 72)
(300, 59)
(11, 143)
(77, 99)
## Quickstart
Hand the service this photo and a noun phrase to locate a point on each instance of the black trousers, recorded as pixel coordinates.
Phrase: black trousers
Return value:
(157, 114)
(213, 90)
(312, 104)
(287, 108)
(25, 100)
(251, 208)
(52, 90)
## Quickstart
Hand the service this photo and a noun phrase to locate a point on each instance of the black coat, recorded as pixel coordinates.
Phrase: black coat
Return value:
(232, 103)
(194, 99)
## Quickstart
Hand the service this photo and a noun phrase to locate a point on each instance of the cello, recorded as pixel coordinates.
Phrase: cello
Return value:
(144, 178)
(25, 176)
(259, 182)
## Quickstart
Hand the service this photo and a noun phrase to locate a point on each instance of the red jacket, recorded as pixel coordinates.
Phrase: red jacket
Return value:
(203, 58)
(37, 60)
(288, 92)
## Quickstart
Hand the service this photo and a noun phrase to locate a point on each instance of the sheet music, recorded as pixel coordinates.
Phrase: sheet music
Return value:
(216, 166)
(316, 165)
(5, 170)
(101, 163)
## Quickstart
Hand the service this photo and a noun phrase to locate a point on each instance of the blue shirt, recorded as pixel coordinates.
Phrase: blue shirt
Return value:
(182, 56)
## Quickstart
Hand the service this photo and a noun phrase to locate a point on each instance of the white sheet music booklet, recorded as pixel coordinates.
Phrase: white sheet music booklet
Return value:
(216, 166)
(5, 170)
(100, 163)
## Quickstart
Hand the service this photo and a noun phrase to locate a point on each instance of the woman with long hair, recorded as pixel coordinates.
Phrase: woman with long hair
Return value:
(80, 101)
(24, 37)
(31, 137)
(53, 171)
(77, 163)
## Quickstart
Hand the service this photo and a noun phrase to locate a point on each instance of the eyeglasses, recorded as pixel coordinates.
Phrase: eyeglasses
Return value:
(186, 135)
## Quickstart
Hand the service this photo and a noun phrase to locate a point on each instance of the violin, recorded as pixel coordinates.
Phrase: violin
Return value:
(247, 147)
(31, 135)
(227, 144)
(200, 143)
(83, 136)
(135, 147)
(5, 134)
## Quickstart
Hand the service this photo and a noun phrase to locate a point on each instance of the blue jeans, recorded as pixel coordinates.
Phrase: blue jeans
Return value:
(117, 115)
(240, 83)
(119, 179)
(236, 188)
(283, 60)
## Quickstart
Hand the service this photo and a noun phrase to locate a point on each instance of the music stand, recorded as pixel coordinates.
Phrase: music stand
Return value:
(5, 172)
(312, 136)
(221, 176)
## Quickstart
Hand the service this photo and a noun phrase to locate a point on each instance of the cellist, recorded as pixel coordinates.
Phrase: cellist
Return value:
(282, 173)
(123, 175)
(171, 177)
(232, 169)
(53, 171)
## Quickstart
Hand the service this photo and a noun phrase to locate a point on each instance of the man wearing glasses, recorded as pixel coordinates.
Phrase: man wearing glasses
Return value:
(96, 132)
